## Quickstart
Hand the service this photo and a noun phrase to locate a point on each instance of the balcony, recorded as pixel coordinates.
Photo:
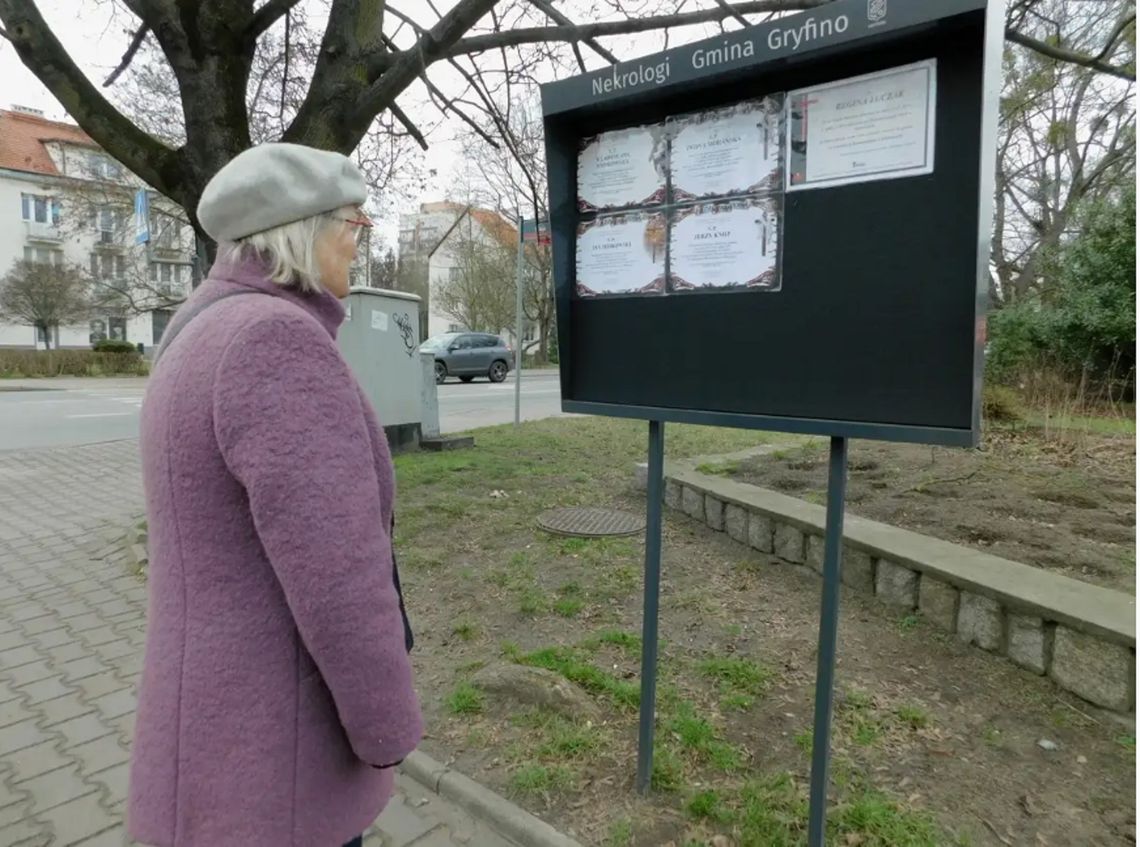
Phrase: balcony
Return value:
(44, 233)
(106, 239)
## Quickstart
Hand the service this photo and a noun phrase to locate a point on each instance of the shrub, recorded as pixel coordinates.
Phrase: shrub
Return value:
(47, 363)
(112, 345)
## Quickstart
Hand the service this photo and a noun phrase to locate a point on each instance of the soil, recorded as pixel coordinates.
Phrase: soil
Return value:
(1067, 507)
(947, 733)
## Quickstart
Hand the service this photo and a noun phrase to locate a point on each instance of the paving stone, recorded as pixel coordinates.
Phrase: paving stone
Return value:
(68, 652)
(736, 522)
(62, 709)
(103, 635)
(25, 833)
(26, 611)
(114, 837)
(100, 754)
(82, 668)
(116, 704)
(56, 787)
(1097, 670)
(14, 711)
(15, 638)
(103, 683)
(18, 656)
(980, 621)
(53, 638)
(81, 729)
(938, 602)
(78, 819)
(13, 814)
(31, 672)
(788, 543)
(21, 735)
(114, 780)
(402, 824)
(83, 623)
(115, 650)
(760, 532)
(45, 689)
(714, 512)
(896, 585)
(1028, 642)
(37, 759)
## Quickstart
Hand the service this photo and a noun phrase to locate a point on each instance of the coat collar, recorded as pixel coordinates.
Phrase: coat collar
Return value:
(253, 273)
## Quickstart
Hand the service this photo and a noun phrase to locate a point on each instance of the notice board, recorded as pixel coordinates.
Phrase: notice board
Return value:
(785, 227)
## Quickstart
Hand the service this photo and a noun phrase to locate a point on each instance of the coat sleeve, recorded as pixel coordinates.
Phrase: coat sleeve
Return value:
(292, 431)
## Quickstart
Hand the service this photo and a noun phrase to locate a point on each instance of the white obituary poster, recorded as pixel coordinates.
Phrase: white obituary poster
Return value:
(731, 244)
(622, 168)
(621, 254)
(878, 126)
(729, 151)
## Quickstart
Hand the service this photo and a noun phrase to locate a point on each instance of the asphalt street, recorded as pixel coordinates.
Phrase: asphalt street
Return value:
(67, 412)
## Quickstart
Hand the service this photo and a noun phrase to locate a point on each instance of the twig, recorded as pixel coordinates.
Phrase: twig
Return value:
(997, 834)
(948, 480)
(1087, 717)
(412, 129)
(136, 42)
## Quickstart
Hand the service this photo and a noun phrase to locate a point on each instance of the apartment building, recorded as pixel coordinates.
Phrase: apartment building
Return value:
(63, 200)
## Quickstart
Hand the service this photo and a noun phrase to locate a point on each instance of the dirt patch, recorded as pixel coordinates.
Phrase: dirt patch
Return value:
(935, 743)
(1066, 507)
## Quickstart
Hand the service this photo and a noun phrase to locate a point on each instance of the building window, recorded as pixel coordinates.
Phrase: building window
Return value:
(167, 276)
(101, 166)
(117, 329)
(108, 222)
(43, 256)
(108, 266)
(165, 231)
(160, 319)
(454, 273)
(39, 209)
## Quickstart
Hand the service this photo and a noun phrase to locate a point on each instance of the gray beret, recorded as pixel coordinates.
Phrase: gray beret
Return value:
(275, 184)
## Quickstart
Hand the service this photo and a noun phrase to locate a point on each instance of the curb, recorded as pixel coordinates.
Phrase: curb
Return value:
(483, 803)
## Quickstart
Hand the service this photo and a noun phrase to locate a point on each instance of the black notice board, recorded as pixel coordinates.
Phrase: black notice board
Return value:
(878, 328)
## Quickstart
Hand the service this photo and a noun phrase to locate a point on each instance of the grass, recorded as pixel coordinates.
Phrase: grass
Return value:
(541, 779)
(465, 631)
(727, 468)
(466, 699)
(913, 716)
(699, 738)
(620, 834)
(571, 664)
(737, 675)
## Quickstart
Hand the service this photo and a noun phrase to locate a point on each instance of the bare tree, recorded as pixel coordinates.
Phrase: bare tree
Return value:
(44, 295)
(367, 56)
(480, 292)
(1068, 134)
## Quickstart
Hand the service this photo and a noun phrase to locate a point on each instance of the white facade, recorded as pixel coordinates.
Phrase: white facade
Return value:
(430, 234)
(82, 214)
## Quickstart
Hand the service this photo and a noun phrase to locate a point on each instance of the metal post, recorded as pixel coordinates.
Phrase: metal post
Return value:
(518, 323)
(828, 639)
(655, 493)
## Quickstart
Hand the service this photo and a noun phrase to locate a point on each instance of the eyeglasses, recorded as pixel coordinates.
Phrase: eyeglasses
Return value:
(361, 222)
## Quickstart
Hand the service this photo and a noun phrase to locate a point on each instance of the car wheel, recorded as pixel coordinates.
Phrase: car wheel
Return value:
(498, 371)
(440, 373)
(466, 378)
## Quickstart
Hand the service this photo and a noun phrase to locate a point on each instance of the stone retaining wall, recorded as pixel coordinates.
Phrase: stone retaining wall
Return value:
(1081, 635)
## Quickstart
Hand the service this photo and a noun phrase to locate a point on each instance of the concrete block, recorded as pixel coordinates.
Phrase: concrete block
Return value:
(714, 513)
(1097, 670)
(858, 571)
(1027, 642)
(641, 476)
(736, 522)
(693, 502)
(673, 494)
(815, 553)
(760, 532)
(896, 585)
(788, 543)
(979, 621)
(938, 602)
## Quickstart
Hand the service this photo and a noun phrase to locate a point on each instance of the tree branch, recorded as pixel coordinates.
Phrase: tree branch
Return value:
(40, 50)
(560, 18)
(1072, 57)
(412, 129)
(136, 42)
(267, 16)
(582, 32)
(408, 64)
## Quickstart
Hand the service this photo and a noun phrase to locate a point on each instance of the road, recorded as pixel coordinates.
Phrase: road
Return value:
(91, 411)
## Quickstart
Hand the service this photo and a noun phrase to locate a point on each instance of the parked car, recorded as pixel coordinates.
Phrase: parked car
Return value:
(468, 355)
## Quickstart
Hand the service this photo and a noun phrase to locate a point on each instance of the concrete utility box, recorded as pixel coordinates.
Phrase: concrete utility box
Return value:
(380, 339)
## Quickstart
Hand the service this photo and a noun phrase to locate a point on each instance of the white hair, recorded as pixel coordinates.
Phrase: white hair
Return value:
(290, 251)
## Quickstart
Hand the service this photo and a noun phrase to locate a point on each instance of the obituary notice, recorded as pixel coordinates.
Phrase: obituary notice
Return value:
(622, 254)
(622, 168)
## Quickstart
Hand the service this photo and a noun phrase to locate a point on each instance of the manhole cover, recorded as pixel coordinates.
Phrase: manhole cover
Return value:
(591, 522)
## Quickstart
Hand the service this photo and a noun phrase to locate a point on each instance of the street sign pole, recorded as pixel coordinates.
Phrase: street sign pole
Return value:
(649, 613)
(519, 321)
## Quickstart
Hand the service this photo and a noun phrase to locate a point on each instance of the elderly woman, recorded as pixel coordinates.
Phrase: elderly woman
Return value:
(276, 694)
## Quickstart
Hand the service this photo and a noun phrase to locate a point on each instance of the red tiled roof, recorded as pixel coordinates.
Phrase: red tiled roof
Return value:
(495, 225)
(22, 140)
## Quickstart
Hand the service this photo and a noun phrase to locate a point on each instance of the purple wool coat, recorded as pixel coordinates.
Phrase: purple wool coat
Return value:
(276, 681)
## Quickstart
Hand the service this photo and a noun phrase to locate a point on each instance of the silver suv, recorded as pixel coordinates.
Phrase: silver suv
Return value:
(468, 355)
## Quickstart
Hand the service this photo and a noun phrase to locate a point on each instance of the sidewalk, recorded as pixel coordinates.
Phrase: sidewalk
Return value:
(71, 638)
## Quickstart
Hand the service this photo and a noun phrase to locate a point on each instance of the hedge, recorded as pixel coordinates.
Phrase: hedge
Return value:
(44, 363)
